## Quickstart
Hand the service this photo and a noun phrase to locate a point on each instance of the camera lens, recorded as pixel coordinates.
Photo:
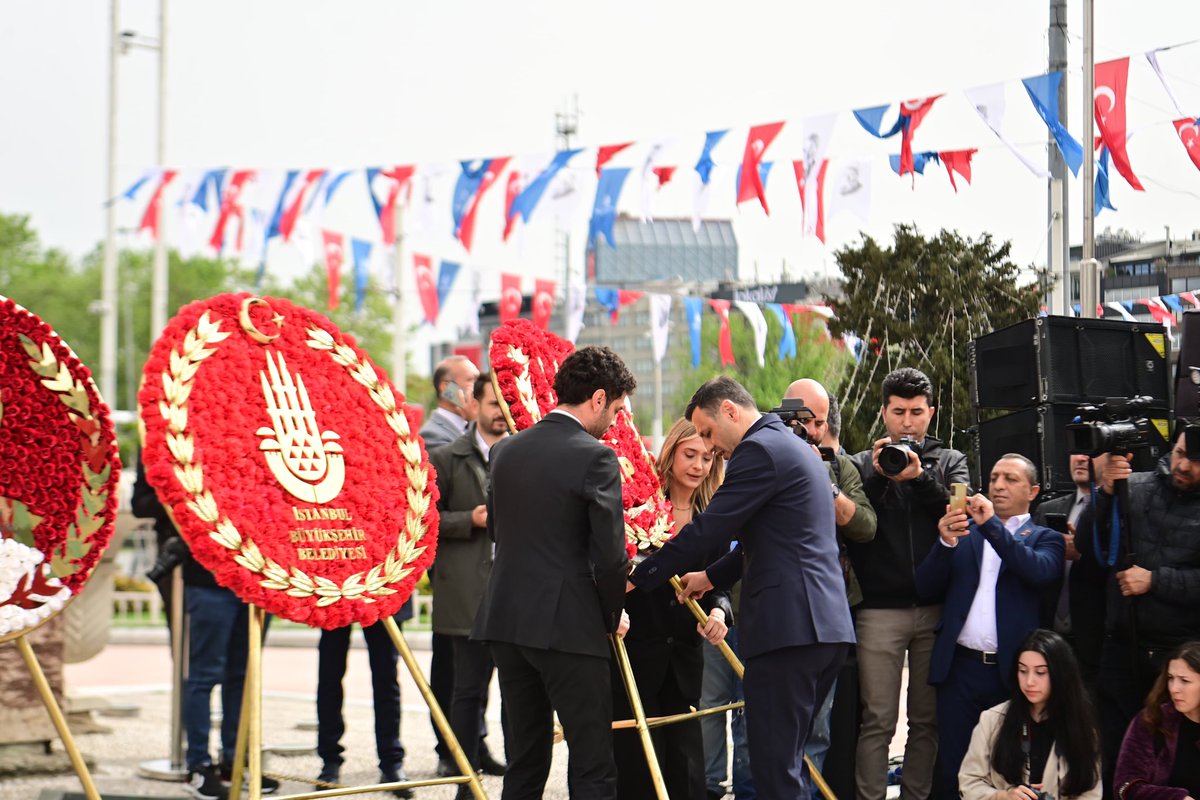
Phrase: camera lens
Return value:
(893, 458)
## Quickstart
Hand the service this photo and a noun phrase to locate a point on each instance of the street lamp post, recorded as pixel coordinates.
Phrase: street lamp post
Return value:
(160, 276)
(108, 280)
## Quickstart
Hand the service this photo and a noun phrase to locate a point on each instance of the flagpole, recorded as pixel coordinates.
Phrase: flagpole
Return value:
(399, 362)
(159, 279)
(1060, 251)
(108, 280)
(1089, 273)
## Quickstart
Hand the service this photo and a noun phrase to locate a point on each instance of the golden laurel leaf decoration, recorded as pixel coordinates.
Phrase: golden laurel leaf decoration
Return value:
(365, 587)
(93, 494)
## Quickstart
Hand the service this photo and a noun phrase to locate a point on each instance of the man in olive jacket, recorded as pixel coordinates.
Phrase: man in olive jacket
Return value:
(464, 563)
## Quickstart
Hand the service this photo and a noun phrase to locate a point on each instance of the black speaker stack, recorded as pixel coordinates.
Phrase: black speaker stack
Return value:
(1041, 370)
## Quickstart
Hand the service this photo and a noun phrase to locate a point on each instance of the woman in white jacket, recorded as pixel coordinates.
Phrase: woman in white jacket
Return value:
(1043, 740)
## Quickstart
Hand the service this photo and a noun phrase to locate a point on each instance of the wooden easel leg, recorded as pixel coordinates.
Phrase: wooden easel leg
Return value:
(249, 738)
(56, 716)
(439, 717)
(639, 716)
(736, 663)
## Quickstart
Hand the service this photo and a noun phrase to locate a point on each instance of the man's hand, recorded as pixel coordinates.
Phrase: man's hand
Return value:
(953, 526)
(695, 585)
(911, 472)
(1117, 469)
(1071, 553)
(1134, 581)
(479, 517)
(623, 628)
(980, 509)
(629, 587)
(843, 510)
(714, 631)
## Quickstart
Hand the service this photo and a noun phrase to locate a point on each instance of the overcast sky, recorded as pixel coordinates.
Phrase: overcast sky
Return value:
(306, 83)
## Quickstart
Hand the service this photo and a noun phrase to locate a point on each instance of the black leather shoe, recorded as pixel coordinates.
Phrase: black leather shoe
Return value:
(330, 773)
(447, 768)
(397, 776)
(488, 765)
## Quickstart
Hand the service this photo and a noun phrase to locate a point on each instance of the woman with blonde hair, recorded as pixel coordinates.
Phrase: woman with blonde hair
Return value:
(664, 640)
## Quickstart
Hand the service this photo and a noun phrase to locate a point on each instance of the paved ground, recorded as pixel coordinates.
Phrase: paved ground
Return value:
(138, 674)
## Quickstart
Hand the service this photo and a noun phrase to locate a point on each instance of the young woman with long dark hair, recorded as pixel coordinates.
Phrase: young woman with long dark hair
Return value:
(1160, 757)
(1043, 739)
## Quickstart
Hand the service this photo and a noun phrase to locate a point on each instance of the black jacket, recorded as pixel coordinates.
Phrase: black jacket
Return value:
(906, 527)
(554, 511)
(1165, 539)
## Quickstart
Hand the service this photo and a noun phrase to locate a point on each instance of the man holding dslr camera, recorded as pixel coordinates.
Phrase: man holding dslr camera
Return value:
(1152, 557)
(907, 476)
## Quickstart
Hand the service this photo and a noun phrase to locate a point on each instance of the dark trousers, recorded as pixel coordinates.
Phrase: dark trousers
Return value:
(536, 683)
(783, 690)
(218, 641)
(473, 667)
(1127, 674)
(843, 730)
(971, 688)
(668, 678)
(331, 669)
(441, 682)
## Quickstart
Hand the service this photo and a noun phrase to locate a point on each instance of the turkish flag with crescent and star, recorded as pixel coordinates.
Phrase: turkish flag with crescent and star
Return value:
(543, 302)
(724, 339)
(1189, 134)
(426, 287)
(511, 190)
(150, 216)
(1109, 103)
(750, 183)
(335, 254)
(231, 206)
(510, 296)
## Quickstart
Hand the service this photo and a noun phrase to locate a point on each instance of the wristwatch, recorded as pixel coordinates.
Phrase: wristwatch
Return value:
(837, 491)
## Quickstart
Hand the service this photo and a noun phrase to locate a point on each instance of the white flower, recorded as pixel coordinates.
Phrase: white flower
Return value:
(19, 565)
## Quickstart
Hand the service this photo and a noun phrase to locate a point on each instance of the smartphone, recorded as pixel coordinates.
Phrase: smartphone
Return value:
(1057, 522)
(827, 454)
(958, 497)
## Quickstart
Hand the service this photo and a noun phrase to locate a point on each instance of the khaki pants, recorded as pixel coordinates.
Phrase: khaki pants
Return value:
(884, 636)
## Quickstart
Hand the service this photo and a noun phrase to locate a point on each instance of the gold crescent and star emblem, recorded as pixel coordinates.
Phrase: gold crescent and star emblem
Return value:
(248, 324)
(307, 462)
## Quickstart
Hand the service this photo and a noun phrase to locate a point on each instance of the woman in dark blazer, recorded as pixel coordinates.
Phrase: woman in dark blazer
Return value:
(664, 640)
(1160, 757)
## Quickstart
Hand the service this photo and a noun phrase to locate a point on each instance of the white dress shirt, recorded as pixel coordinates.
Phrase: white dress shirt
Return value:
(979, 630)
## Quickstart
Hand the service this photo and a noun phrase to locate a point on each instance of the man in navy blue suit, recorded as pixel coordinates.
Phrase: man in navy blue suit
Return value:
(993, 570)
(795, 622)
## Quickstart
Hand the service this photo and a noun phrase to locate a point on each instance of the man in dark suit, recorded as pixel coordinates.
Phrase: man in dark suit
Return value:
(557, 584)
(795, 622)
(992, 570)
(464, 562)
(1074, 606)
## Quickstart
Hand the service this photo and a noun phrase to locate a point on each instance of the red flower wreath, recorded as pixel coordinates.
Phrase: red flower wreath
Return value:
(59, 471)
(293, 468)
(524, 361)
(648, 518)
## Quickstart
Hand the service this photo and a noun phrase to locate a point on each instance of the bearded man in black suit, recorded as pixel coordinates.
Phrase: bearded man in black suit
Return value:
(558, 580)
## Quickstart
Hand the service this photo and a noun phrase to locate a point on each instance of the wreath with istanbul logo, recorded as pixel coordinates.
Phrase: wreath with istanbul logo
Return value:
(59, 472)
(524, 361)
(292, 467)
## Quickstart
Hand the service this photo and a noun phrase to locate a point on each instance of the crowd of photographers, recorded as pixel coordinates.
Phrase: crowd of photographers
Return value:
(1020, 619)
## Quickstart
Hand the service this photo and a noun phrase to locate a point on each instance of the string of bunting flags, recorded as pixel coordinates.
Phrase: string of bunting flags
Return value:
(241, 211)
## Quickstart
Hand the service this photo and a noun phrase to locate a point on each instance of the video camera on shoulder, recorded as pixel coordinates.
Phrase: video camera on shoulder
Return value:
(1117, 426)
(794, 414)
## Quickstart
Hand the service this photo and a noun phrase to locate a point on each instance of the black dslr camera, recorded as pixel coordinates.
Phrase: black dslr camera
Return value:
(170, 556)
(1118, 426)
(893, 458)
(794, 414)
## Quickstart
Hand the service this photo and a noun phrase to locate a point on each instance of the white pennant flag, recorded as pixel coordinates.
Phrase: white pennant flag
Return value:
(988, 102)
(815, 133)
(576, 304)
(758, 323)
(848, 188)
(1124, 312)
(470, 318)
(660, 323)
(650, 178)
(1152, 57)
(194, 224)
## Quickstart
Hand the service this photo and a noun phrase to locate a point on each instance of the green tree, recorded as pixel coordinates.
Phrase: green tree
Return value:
(816, 357)
(918, 303)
